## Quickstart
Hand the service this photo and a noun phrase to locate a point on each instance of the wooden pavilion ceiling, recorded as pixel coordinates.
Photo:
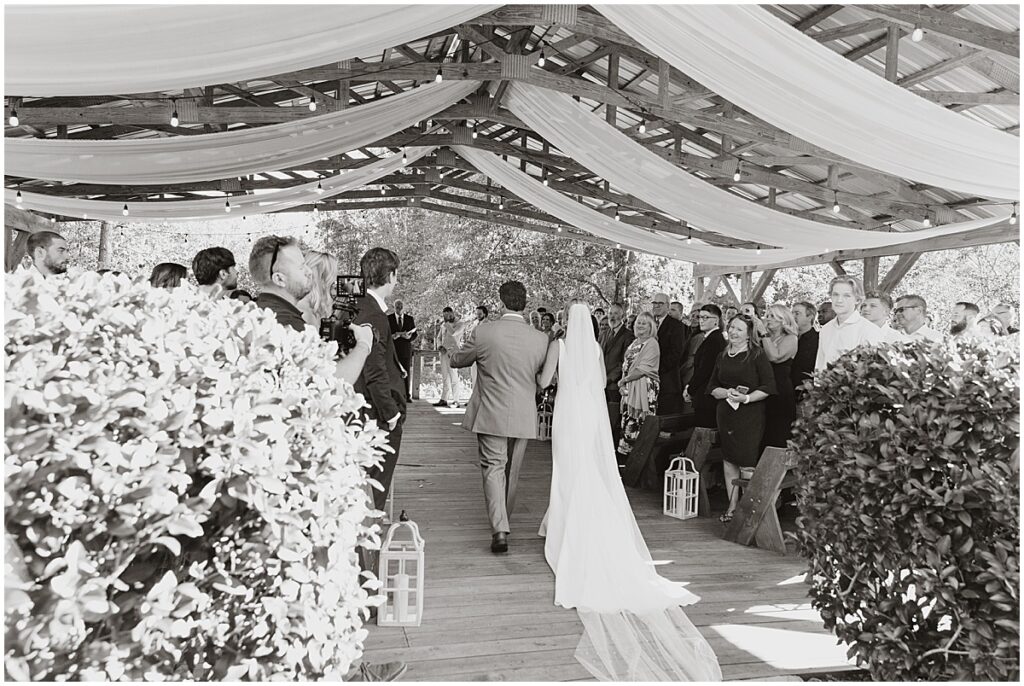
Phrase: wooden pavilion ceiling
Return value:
(968, 62)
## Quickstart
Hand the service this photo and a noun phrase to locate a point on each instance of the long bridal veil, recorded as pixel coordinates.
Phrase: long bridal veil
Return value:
(634, 627)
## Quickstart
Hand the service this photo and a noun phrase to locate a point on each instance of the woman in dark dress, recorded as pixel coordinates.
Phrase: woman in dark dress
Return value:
(741, 379)
(779, 340)
(710, 320)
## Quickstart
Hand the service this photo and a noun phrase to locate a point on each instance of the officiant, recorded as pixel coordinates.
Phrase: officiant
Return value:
(403, 331)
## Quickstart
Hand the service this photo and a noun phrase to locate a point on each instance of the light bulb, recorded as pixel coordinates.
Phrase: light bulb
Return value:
(474, 132)
(85, 216)
(545, 181)
(13, 121)
(383, 191)
(124, 210)
(53, 220)
(1013, 217)
(642, 128)
(17, 198)
(319, 188)
(737, 176)
(558, 229)
(312, 105)
(439, 77)
(759, 250)
(836, 208)
(227, 205)
(617, 217)
(541, 61)
(927, 221)
(405, 158)
(689, 239)
(316, 210)
(917, 34)
(174, 118)
(618, 245)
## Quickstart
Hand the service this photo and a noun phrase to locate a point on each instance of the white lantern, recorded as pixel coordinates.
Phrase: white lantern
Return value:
(680, 499)
(401, 572)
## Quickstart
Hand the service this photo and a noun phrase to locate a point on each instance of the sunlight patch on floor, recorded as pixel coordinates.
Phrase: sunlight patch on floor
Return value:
(798, 579)
(784, 648)
(802, 611)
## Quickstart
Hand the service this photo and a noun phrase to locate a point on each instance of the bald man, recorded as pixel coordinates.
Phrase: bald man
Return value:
(672, 341)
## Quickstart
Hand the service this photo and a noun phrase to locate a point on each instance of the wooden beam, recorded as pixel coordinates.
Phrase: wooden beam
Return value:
(762, 284)
(730, 292)
(837, 267)
(892, 54)
(850, 30)
(819, 15)
(946, 98)
(746, 287)
(898, 271)
(24, 220)
(964, 30)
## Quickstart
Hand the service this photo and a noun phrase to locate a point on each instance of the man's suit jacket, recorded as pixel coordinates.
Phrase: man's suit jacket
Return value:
(672, 341)
(686, 371)
(403, 346)
(614, 349)
(380, 382)
(508, 354)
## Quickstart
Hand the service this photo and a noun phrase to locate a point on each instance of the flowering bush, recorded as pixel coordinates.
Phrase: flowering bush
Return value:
(910, 507)
(185, 488)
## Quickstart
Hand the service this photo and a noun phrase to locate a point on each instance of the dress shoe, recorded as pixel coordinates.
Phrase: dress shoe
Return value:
(441, 403)
(499, 543)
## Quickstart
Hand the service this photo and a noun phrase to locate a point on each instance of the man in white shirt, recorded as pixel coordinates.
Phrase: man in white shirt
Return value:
(48, 251)
(448, 344)
(1005, 313)
(848, 330)
(912, 316)
(876, 308)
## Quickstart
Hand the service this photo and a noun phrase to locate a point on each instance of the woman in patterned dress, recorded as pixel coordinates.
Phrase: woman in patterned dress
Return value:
(639, 384)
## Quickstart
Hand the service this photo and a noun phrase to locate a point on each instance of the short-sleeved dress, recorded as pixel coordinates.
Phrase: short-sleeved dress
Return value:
(741, 430)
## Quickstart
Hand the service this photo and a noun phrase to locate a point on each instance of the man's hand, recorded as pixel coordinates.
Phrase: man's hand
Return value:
(393, 422)
(363, 334)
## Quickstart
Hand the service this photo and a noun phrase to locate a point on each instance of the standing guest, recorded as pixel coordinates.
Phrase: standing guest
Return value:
(319, 302)
(671, 344)
(825, 313)
(964, 316)
(989, 327)
(239, 294)
(694, 320)
(547, 325)
(403, 333)
(638, 386)
(603, 327)
(614, 345)
(876, 308)
(741, 379)
(912, 316)
(168, 275)
(215, 271)
(630, 321)
(779, 340)
(381, 382)
(751, 310)
(848, 329)
(48, 251)
(1005, 312)
(467, 334)
(704, 406)
(599, 313)
(727, 315)
(675, 310)
(694, 338)
(804, 314)
(448, 345)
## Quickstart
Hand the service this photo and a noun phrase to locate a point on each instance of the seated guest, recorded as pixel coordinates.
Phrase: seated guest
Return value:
(215, 271)
(875, 309)
(1005, 312)
(704, 359)
(804, 314)
(639, 386)
(848, 330)
(239, 294)
(964, 315)
(168, 275)
(318, 303)
(741, 379)
(779, 340)
(825, 313)
(48, 252)
(912, 317)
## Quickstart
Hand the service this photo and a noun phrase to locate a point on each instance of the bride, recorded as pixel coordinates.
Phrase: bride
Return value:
(633, 626)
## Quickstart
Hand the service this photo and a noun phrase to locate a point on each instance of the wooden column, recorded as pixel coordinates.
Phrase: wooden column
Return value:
(698, 289)
(892, 53)
(870, 273)
(762, 284)
(746, 286)
(613, 83)
(106, 234)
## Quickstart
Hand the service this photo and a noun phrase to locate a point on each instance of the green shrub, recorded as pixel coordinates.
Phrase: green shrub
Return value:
(909, 507)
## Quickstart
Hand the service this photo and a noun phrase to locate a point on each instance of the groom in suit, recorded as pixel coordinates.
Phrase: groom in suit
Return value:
(403, 332)
(502, 411)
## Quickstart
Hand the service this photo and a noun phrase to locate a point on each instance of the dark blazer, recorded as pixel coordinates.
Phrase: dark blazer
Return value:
(403, 346)
(806, 355)
(614, 348)
(703, 365)
(672, 341)
(381, 381)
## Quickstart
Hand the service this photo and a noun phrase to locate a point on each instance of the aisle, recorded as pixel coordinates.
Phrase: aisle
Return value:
(491, 618)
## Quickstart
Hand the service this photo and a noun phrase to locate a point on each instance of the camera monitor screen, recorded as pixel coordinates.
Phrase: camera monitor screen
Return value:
(349, 284)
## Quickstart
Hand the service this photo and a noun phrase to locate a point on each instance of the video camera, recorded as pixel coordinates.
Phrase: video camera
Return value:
(343, 312)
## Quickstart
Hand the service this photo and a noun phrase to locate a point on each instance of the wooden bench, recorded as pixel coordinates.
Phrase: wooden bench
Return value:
(701, 450)
(756, 520)
(659, 437)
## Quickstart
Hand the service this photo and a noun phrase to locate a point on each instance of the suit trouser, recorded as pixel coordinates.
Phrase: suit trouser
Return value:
(500, 459)
(450, 386)
(384, 473)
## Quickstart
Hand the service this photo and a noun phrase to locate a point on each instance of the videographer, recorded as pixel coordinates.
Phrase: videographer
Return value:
(276, 264)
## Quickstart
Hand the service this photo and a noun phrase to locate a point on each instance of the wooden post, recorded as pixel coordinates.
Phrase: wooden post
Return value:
(762, 284)
(898, 271)
(892, 53)
(105, 238)
(870, 273)
(698, 289)
(746, 286)
(613, 83)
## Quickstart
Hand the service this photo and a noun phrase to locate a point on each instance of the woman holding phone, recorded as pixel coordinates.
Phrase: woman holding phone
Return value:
(741, 380)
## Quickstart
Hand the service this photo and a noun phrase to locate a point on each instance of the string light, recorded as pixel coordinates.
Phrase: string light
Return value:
(736, 175)
(53, 220)
(642, 128)
(18, 198)
(759, 250)
(835, 206)
(1013, 217)
(474, 131)
(618, 245)
(405, 157)
(544, 176)
(316, 210)
(501, 202)
(312, 105)
(927, 221)
(617, 217)
(227, 205)
(383, 191)
(319, 188)
(174, 113)
(439, 77)
(917, 34)
(13, 121)
(124, 210)
(689, 238)
(541, 61)
(84, 215)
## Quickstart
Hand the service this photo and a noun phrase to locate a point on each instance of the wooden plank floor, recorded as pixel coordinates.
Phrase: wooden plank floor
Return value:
(491, 617)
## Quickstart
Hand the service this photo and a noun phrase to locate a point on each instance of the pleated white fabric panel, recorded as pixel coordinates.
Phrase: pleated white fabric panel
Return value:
(108, 49)
(760, 63)
(209, 156)
(213, 208)
(631, 167)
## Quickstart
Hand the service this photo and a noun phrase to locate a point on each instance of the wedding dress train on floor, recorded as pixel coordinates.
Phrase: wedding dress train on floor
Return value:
(634, 627)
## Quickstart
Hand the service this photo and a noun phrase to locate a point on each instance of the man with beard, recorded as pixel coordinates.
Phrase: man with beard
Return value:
(964, 315)
(49, 252)
(215, 271)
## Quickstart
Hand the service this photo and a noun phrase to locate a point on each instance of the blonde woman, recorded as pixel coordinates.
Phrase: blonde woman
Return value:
(779, 336)
(324, 271)
(640, 384)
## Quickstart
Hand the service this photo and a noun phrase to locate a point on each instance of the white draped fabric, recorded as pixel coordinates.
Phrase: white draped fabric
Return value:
(209, 156)
(213, 208)
(631, 167)
(108, 49)
(777, 73)
(669, 245)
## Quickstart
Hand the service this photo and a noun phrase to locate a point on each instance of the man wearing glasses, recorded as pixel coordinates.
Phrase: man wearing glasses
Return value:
(672, 342)
(912, 316)
(848, 330)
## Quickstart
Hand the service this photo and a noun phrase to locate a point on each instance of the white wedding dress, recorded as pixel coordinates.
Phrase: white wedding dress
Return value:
(634, 627)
